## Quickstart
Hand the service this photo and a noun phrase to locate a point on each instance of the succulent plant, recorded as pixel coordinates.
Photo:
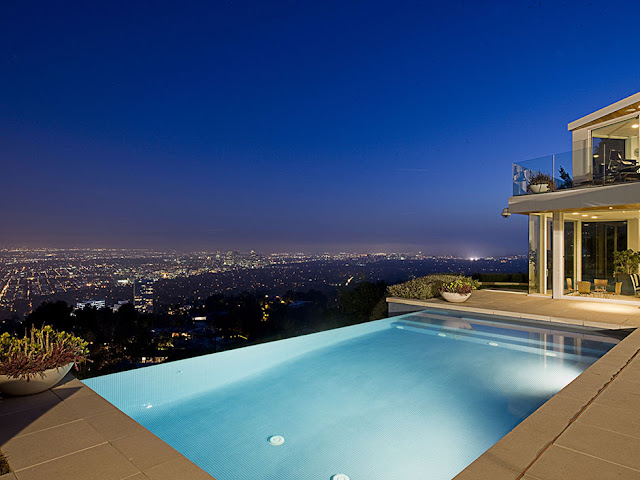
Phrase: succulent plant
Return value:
(43, 349)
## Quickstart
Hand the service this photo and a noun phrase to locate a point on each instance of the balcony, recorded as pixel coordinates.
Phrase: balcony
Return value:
(579, 168)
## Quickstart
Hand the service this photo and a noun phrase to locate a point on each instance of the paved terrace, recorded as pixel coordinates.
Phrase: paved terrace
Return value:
(590, 430)
(587, 313)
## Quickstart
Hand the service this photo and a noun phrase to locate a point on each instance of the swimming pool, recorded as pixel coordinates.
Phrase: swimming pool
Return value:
(421, 395)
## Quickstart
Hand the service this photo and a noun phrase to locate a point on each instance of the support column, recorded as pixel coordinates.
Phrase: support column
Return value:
(558, 255)
(633, 234)
(577, 255)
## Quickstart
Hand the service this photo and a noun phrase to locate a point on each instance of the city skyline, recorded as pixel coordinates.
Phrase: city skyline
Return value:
(276, 127)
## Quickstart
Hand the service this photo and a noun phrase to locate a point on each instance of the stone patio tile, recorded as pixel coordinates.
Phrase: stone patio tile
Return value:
(43, 445)
(487, 467)
(8, 476)
(177, 468)
(15, 404)
(71, 387)
(604, 444)
(559, 463)
(89, 405)
(98, 463)
(626, 422)
(144, 449)
(114, 425)
(35, 419)
(615, 397)
(585, 387)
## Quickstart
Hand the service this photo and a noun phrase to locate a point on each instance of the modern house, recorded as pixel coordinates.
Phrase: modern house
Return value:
(583, 206)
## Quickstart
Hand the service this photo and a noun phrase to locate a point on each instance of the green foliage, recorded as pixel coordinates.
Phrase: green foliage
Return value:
(42, 350)
(462, 285)
(567, 181)
(424, 287)
(626, 262)
(358, 302)
(4, 465)
(540, 178)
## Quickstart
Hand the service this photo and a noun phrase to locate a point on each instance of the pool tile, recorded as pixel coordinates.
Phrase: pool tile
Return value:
(585, 387)
(44, 445)
(16, 404)
(114, 425)
(604, 444)
(616, 397)
(35, 419)
(559, 463)
(626, 422)
(102, 462)
(177, 468)
(144, 449)
(89, 405)
(71, 387)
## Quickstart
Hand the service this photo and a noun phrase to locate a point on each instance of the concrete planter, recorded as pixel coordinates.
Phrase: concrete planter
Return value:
(37, 384)
(455, 297)
(539, 188)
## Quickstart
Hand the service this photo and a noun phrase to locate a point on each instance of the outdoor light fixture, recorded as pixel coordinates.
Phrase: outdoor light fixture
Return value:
(505, 212)
(635, 125)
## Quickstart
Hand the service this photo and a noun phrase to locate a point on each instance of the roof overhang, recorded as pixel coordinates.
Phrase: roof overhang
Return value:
(621, 108)
(620, 196)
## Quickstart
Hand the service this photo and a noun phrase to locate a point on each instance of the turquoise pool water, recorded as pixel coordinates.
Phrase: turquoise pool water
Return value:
(416, 396)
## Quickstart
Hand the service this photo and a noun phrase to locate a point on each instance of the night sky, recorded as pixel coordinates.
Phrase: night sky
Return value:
(334, 126)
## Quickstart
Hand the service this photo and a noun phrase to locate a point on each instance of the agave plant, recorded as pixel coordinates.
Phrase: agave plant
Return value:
(42, 350)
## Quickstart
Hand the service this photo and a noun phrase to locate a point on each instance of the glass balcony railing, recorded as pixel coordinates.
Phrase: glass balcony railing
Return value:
(575, 169)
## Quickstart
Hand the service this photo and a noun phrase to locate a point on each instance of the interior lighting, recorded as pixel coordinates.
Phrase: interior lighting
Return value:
(594, 216)
(585, 215)
(574, 213)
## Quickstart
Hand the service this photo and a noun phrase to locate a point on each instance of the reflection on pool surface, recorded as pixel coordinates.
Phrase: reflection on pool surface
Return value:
(416, 396)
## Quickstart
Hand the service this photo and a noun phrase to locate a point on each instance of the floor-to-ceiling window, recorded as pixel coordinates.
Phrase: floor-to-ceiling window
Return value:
(616, 157)
(599, 241)
(569, 254)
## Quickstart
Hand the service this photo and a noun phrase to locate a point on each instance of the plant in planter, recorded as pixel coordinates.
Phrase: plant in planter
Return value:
(37, 362)
(626, 262)
(459, 290)
(541, 182)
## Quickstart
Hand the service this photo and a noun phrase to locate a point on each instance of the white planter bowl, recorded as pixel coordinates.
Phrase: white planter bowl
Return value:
(37, 384)
(539, 188)
(455, 297)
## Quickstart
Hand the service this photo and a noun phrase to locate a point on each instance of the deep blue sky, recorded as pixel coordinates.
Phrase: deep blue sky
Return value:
(359, 126)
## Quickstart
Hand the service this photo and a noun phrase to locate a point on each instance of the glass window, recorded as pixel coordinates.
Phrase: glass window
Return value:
(615, 152)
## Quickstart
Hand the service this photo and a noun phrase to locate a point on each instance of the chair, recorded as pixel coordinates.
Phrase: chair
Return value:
(635, 280)
(617, 290)
(600, 285)
(584, 288)
(570, 288)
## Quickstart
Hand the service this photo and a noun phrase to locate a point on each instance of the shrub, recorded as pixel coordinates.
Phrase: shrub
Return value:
(540, 178)
(4, 465)
(462, 285)
(424, 287)
(42, 350)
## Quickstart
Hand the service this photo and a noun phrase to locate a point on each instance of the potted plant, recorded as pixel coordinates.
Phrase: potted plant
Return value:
(540, 183)
(459, 290)
(37, 362)
(626, 262)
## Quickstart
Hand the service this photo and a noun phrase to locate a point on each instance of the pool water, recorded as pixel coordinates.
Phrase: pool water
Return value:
(416, 396)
